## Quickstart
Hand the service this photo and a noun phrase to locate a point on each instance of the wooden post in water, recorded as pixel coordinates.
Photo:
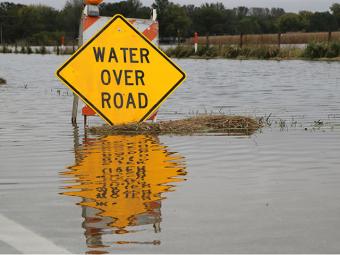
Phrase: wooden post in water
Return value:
(219, 46)
(329, 37)
(241, 40)
(279, 40)
(207, 42)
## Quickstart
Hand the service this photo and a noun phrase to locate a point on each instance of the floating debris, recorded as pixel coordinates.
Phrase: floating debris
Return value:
(221, 124)
(2, 81)
(318, 123)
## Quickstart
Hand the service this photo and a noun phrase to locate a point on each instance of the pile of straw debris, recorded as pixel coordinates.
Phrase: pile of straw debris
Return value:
(222, 124)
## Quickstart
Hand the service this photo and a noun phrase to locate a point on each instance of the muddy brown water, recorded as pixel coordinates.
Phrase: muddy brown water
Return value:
(276, 191)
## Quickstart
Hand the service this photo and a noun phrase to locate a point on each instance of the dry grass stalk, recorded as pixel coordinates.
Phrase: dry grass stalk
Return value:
(232, 125)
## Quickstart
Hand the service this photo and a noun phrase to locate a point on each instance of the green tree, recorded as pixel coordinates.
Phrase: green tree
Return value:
(36, 19)
(9, 21)
(289, 22)
(180, 21)
(323, 21)
(305, 19)
(335, 8)
(277, 12)
(241, 11)
(162, 6)
(129, 8)
(209, 18)
(259, 12)
(248, 25)
(173, 19)
(43, 25)
(70, 16)
(190, 12)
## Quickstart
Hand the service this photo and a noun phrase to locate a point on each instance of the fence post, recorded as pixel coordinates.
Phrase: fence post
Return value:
(207, 43)
(329, 37)
(220, 46)
(279, 40)
(241, 40)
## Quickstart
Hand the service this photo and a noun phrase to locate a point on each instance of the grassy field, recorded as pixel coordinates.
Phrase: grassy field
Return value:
(286, 38)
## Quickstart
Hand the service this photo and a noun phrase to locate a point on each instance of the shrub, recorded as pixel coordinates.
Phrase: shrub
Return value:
(68, 51)
(315, 50)
(333, 50)
(41, 50)
(23, 50)
(169, 52)
(290, 52)
(246, 52)
(183, 51)
(264, 52)
(202, 50)
(16, 51)
(212, 52)
(29, 50)
(231, 52)
(5, 49)
(180, 51)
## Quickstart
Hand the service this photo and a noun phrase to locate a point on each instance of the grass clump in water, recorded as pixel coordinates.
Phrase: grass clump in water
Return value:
(204, 124)
(180, 52)
(236, 52)
(315, 50)
(2, 81)
(322, 50)
(5, 50)
(41, 50)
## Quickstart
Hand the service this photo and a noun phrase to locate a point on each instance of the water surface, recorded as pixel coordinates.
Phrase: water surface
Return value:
(275, 191)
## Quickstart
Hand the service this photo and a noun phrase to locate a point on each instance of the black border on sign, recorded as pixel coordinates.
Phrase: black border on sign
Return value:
(145, 39)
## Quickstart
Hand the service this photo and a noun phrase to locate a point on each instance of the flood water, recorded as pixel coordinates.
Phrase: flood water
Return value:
(63, 190)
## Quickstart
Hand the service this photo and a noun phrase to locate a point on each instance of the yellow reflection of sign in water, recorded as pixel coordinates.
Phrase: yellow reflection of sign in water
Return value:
(121, 180)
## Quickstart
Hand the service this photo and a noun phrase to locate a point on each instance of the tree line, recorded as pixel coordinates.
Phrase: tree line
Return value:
(44, 25)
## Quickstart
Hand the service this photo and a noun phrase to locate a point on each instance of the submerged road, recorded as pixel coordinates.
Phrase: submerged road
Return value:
(63, 190)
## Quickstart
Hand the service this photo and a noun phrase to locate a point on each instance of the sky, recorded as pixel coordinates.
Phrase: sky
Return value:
(288, 5)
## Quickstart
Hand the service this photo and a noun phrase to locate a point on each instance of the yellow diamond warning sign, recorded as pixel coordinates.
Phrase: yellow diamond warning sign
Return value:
(120, 74)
